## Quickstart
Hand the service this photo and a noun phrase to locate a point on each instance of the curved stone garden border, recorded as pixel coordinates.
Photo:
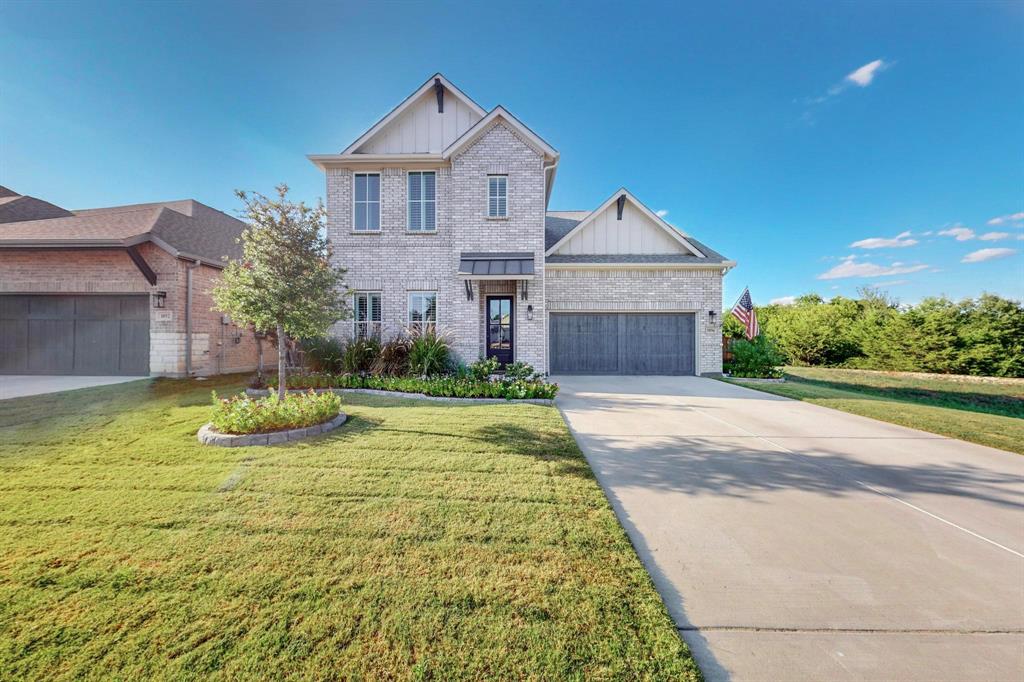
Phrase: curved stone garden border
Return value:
(755, 380)
(208, 436)
(263, 393)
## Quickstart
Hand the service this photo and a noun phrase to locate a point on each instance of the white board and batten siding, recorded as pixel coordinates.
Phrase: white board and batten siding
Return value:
(634, 234)
(420, 129)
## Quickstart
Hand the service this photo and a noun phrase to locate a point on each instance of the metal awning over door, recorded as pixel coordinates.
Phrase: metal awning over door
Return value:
(622, 343)
(74, 334)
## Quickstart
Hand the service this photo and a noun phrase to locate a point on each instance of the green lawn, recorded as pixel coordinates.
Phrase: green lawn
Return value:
(986, 413)
(419, 541)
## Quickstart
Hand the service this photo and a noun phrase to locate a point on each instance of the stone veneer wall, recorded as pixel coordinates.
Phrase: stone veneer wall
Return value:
(102, 271)
(396, 262)
(697, 290)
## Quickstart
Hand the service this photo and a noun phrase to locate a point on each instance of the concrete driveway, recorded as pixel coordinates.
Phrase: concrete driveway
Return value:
(795, 542)
(21, 385)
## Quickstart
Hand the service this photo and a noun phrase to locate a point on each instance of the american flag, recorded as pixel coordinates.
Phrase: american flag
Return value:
(744, 312)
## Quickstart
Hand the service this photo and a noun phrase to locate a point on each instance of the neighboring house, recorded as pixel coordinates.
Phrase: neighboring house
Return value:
(116, 290)
(439, 213)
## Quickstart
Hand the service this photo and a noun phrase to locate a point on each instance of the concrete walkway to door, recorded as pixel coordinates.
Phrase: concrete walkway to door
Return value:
(21, 385)
(794, 542)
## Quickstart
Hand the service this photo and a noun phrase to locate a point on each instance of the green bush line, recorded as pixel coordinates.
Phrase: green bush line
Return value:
(441, 386)
(239, 415)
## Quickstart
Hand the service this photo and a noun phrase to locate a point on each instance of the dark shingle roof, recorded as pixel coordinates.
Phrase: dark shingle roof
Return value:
(555, 228)
(15, 208)
(188, 228)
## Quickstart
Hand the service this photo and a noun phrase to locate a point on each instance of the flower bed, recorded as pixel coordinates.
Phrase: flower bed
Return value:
(453, 386)
(243, 415)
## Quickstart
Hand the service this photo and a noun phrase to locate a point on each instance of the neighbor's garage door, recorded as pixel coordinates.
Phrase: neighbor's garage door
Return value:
(92, 335)
(622, 343)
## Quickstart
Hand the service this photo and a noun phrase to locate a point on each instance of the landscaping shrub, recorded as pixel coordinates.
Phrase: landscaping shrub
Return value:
(758, 359)
(242, 415)
(324, 354)
(483, 368)
(429, 352)
(257, 381)
(360, 355)
(521, 371)
(393, 358)
(450, 386)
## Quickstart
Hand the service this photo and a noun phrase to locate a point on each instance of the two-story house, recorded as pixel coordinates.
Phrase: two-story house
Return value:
(439, 212)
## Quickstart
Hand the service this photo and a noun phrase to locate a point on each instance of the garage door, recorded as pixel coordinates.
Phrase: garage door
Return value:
(622, 343)
(86, 335)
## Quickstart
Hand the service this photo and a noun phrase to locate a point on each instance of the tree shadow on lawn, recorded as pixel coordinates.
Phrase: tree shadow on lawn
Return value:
(987, 403)
(547, 445)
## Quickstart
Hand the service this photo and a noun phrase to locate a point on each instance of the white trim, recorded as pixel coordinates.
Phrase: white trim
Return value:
(673, 232)
(323, 161)
(380, 304)
(436, 175)
(725, 265)
(474, 133)
(406, 103)
(380, 212)
(437, 307)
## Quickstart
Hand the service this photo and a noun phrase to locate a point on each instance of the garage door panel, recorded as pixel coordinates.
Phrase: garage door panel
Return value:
(97, 346)
(51, 347)
(68, 334)
(134, 347)
(622, 343)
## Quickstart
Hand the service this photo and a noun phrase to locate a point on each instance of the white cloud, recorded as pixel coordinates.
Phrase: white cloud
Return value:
(890, 283)
(661, 212)
(1010, 218)
(849, 267)
(982, 255)
(993, 236)
(783, 300)
(898, 242)
(865, 74)
(961, 233)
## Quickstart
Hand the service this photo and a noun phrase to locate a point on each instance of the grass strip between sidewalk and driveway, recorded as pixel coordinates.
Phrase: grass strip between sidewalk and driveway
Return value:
(989, 414)
(419, 541)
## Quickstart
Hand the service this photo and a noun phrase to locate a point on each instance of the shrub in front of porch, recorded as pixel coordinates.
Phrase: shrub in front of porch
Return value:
(449, 386)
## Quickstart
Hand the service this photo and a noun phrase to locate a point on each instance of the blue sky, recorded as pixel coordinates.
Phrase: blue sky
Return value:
(782, 134)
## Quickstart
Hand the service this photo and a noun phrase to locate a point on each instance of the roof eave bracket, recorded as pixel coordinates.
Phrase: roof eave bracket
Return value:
(620, 205)
(142, 265)
(439, 91)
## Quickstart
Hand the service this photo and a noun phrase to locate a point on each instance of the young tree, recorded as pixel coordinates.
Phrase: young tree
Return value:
(285, 281)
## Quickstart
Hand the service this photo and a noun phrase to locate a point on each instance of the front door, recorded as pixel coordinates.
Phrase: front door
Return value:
(499, 328)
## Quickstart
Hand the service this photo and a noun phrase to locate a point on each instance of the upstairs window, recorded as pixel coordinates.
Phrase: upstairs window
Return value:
(423, 311)
(367, 202)
(422, 201)
(366, 315)
(497, 196)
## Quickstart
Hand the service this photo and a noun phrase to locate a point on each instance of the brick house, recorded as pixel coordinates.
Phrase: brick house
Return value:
(440, 214)
(120, 290)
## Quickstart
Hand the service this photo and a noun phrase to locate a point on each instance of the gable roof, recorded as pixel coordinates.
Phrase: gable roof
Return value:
(185, 229)
(406, 103)
(484, 124)
(676, 234)
(15, 208)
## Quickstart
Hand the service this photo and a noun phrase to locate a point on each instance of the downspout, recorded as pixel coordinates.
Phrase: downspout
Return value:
(188, 317)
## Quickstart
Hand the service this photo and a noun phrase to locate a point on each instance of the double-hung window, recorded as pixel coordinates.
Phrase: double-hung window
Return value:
(423, 311)
(366, 315)
(497, 196)
(422, 201)
(367, 202)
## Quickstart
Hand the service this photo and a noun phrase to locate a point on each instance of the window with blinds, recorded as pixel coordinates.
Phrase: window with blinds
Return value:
(423, 311)
(366, 315)
(367, 202)
(497, 196)
(422, 201)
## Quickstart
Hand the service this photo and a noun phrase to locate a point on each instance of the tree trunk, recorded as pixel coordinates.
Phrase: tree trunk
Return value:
(282, 369)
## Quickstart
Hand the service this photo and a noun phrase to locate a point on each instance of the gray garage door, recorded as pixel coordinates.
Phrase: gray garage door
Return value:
(622, 343)
(90, 335)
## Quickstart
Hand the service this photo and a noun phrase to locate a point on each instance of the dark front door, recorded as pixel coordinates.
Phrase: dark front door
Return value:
(499, 328)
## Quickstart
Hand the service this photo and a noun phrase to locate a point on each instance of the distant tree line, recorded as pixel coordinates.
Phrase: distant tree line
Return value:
(983, 336)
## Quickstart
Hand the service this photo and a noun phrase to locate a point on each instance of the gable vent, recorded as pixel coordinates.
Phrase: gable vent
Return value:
(621, 203)
(439, 91)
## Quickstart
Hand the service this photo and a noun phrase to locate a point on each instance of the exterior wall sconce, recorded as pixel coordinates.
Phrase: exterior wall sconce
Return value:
(529, 312)
(711, 314)
(159, 299)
